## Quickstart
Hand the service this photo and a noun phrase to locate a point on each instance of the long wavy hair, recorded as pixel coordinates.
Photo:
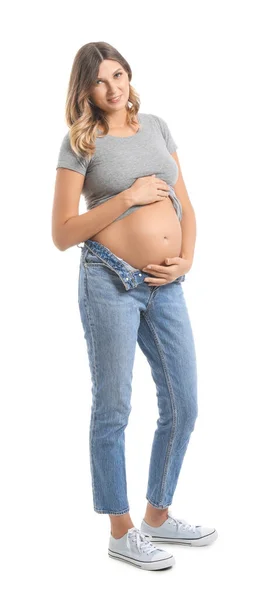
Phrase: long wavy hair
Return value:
(82, 116)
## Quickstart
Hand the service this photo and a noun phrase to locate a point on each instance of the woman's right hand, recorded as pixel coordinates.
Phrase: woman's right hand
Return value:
(146, 190)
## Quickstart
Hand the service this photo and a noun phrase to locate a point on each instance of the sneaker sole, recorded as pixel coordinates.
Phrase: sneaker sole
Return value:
(203, 541)
(149, 566)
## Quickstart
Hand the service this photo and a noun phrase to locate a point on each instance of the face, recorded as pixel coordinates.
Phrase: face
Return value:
(112, 81)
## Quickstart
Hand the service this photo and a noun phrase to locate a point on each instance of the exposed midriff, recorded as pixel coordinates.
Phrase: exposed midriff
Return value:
(145, 236)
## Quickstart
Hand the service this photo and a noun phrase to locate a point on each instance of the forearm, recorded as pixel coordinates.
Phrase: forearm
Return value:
(82, 227)
(188, 226)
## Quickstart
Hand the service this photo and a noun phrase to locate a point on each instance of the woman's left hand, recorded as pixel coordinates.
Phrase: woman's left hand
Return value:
(166, 274)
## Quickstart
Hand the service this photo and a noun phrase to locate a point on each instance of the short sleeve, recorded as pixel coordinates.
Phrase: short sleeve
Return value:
(68, 159)
(170, 142)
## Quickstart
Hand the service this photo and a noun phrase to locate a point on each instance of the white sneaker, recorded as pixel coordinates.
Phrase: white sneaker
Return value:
(135, 548)
(179, 531)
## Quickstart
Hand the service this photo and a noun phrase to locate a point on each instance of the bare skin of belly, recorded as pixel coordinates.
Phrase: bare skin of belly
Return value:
(146, 236)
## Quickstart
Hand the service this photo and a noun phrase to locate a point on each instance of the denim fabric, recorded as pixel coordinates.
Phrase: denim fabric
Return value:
(113, 322)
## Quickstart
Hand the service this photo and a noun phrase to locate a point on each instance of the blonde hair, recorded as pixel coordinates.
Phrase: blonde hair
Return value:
(82, 116)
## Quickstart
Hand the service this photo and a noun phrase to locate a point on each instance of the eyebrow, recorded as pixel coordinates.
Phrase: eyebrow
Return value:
(112, 74)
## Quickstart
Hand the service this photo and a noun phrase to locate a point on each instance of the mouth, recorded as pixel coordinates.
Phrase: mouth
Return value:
(115, 99)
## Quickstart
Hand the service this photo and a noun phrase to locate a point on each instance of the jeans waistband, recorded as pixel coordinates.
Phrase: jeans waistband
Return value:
(129, 275)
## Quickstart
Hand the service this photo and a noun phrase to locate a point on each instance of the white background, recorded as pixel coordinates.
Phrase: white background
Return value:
(207, 68)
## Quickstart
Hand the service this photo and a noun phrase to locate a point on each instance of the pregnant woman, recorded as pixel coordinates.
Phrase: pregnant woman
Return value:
(138, 239)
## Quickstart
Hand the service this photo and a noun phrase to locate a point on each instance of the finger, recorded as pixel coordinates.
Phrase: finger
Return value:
(175, 260)
(158, 268)
(157, 273)
(156, 280)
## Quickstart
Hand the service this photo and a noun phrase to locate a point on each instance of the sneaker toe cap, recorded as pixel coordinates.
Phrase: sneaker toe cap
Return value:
(204, 531)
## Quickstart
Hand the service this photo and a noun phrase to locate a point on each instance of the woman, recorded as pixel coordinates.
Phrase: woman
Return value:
(125, 164)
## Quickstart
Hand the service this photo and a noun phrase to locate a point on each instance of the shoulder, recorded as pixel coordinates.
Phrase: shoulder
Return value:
(69, 159)
(65, 146)
(148, 117)
(155, 121)
(160, 126)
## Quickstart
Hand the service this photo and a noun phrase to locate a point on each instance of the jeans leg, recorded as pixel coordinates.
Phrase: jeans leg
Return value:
(110, 320)
(165, 337)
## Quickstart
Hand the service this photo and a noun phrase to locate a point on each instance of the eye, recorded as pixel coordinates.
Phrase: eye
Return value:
(120, 73)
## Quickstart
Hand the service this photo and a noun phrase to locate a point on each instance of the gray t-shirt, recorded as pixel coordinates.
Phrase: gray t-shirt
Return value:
(118, 161)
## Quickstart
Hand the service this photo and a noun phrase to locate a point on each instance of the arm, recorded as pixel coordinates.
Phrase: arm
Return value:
(68, 227)
(188, 222)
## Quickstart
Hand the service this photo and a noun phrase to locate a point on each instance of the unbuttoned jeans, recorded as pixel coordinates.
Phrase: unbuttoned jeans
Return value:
(118, 309)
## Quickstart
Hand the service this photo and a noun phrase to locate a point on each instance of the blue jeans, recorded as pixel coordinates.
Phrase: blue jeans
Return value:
(117, 309)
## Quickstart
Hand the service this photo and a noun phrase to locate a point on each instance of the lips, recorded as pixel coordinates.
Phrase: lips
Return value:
(114, 98)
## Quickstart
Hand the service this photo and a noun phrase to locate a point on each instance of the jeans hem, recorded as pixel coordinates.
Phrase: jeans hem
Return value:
(157, 505)
(110, 512)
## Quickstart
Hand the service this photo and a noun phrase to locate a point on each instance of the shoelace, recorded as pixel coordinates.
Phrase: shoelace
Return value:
(141, 540)
(181, 523)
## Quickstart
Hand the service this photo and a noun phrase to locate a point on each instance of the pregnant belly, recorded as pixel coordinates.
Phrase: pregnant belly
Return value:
(146, 236)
